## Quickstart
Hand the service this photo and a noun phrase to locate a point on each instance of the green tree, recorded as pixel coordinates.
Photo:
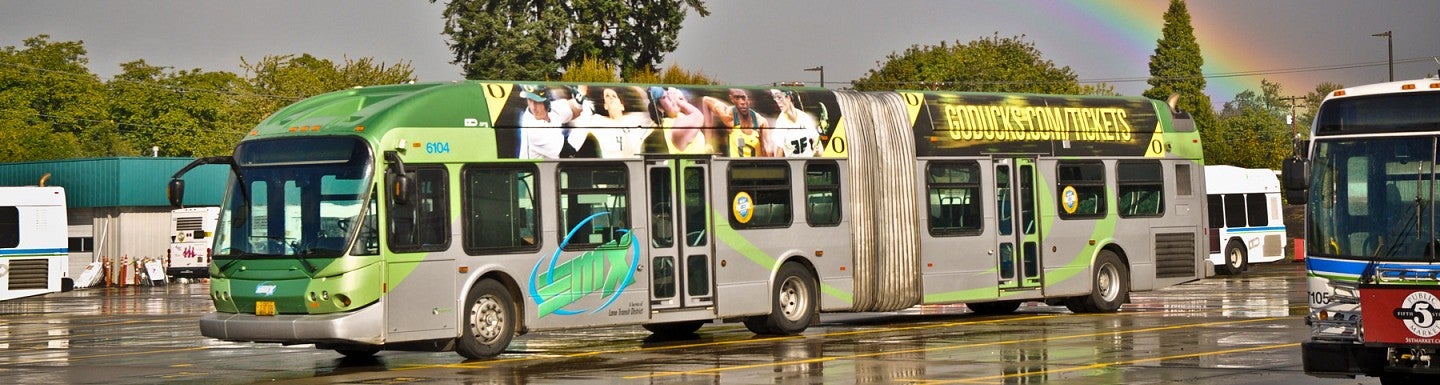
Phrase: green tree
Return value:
(533, 39)
(1175, 69)
(51, 105)
(993, 64)
(278, 80)
(591, 69)
(1311, 104)
(184, 113)
(1251, 130)
(671, 75)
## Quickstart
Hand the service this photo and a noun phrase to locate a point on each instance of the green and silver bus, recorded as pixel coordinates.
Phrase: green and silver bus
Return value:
(456, 216)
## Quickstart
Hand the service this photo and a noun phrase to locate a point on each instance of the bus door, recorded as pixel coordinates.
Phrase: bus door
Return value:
(681, 274)
(1018, 224)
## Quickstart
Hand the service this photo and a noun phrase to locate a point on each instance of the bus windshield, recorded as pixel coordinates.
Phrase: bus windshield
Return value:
(297, 197)
(1372, 199)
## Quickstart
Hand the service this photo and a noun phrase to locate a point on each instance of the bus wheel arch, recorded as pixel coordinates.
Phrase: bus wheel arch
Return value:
(1235, 258)
(1109, 284)
(794, 300)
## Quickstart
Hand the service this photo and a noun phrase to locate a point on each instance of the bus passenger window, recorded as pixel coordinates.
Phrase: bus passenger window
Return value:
(1086, 181)
(594, 209)
(953, 191)
(768, 185)
(822, 194)
(1141, 186)
(499, 207)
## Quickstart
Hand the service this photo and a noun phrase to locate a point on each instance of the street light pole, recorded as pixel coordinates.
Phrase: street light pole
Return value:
(1390, 52)
(822, 74)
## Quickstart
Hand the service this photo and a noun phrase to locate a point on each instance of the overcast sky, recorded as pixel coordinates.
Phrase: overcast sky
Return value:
(1298, 43)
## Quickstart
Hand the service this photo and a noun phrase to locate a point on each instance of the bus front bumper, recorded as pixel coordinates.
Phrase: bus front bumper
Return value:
(1342, 360)
(364, 326)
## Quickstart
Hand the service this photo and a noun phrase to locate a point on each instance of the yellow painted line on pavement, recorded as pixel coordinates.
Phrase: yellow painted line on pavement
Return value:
(1103, 365)
(485, 364)
(943, 348)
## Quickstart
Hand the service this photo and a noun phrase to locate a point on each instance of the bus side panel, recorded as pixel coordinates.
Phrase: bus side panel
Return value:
(960, 268)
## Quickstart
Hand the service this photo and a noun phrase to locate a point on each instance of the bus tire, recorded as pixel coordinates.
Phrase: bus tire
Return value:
(674, 329)
(489, 321)
(1109, 286)
(793, 303)
(992, 308)
(1235, 259)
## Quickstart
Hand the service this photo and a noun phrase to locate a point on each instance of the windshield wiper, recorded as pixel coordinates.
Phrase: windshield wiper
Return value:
(236, 257)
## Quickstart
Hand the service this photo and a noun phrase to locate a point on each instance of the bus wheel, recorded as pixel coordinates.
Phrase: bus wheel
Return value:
(1235, 259)
(1110, 286)
(793, 305)
(674, 329)
(358, 352)
(1002, 307)
(489, 321)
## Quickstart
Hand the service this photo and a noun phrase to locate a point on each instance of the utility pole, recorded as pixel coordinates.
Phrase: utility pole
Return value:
(822, 74)
(1390, 51)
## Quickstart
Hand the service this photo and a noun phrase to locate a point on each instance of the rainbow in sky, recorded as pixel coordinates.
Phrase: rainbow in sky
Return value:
(1132, 28)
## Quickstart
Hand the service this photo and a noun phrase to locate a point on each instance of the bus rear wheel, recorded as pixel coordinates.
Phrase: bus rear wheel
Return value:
(1235, 259)
(1109, 286)
(793, 304)
(489, 321)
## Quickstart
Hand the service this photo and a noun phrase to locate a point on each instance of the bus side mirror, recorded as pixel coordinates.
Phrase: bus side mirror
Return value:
(175, 191)
(400, 189)
(1294, 177)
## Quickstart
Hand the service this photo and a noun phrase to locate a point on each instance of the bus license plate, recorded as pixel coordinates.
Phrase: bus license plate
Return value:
(264, 308)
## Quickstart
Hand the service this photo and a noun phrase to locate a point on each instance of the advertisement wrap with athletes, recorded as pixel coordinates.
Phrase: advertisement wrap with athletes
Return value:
(1401, 314)
(552, 121)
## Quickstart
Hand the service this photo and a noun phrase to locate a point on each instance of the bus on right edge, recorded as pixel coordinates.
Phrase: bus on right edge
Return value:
(1369, 180)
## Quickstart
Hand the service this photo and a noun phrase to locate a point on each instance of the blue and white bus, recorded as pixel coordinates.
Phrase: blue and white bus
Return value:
(1247, 224)
(33, 241)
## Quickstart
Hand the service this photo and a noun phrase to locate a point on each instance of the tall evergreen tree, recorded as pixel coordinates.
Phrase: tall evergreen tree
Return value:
(1175, 69)
(534, 39)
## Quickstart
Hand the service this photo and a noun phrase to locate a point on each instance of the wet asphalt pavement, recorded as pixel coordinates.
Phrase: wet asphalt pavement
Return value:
(1220, 330)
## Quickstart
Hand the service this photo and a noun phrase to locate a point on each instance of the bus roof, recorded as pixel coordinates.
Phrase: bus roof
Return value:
(1415, 85)
(1222, 179)
(944, 123)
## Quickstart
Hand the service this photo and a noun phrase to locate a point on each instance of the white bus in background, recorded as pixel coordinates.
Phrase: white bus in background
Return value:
(34, 243)
(191, 229)
(1247, 224)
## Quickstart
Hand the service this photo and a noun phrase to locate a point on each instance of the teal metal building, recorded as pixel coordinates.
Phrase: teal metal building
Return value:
(117, 206)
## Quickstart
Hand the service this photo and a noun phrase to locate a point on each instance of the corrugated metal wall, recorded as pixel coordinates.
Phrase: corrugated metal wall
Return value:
(119, 203)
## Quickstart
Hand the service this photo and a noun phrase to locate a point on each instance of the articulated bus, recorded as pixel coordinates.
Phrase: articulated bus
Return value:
(1247, 223)
(34, 256)
(1368, 178)
(456, 216)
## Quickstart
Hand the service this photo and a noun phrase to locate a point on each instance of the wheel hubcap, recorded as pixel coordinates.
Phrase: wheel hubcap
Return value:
(1235, 258)
(1108, 282)
(487, 319)
(793, 298)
